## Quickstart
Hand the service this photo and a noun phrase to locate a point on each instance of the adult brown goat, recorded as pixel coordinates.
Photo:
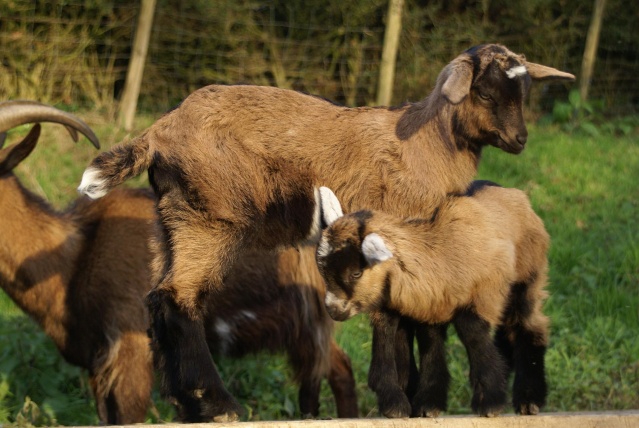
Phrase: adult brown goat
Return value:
(236, 167)
(82, 275)
(59, 267)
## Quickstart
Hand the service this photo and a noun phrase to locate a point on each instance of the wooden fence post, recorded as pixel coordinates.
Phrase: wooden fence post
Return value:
(389, 52)
(590, 52)
(135, 71)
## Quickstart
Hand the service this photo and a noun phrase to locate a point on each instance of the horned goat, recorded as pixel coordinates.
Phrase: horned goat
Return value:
(60, 268)
(480, 261)
(82, 275)
(236, 167)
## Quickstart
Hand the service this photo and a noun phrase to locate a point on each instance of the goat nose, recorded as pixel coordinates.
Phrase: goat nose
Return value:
(522, 138)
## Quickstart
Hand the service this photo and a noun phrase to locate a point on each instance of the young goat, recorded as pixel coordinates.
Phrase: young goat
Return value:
(237, 166)
(480, 261)
(82, 275)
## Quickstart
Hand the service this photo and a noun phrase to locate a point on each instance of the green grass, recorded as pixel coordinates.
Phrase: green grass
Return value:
(587, 191)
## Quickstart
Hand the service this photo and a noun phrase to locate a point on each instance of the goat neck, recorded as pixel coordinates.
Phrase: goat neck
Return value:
(36, 256)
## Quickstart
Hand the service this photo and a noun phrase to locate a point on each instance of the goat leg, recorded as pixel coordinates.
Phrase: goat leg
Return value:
(432, 393)
(382, 375)
(487, 367)
(181, 354)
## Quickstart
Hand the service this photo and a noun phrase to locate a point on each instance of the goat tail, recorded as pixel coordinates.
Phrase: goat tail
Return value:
(114, 167)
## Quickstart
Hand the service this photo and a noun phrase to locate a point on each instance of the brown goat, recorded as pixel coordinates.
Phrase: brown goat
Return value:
(480, 261)
(235, 167)
(59, 268)
(82, 275)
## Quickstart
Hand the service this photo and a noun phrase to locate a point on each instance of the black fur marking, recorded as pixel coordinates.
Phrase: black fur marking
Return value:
(168, 181)
(382, 376)
(529, 387)
(362, 218)
(523, 350)
(408, 375)
(518, 308)
(431, 397)
(487, 368)
(418, 114)
(478, 185)
(505, 347)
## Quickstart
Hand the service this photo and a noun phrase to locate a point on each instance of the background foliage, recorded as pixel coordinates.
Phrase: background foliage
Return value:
(75, 52)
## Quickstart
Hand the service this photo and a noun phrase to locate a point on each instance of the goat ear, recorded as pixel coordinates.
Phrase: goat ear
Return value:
(11, 156)
(331, 208)
(540, 72)
(375, 250)
(457, 78)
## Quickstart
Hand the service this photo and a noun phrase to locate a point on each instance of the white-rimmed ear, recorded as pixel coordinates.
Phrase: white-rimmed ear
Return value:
(331, 208)
(374, 249)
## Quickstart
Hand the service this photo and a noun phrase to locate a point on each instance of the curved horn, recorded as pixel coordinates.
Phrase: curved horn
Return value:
(15, 113)
(543, 72)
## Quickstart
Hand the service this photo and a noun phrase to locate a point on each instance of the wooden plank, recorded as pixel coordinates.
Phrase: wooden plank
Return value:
(614, 419)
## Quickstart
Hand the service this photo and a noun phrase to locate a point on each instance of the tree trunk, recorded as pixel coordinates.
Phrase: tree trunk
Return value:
(389, 52)
(590, 52)
(134, 74)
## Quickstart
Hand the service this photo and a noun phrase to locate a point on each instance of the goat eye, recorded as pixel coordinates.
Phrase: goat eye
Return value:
(484, 96)
(356, 275)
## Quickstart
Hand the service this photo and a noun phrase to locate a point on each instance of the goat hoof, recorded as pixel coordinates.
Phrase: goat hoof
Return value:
(395, 406)
(426, 413)
(527, 409)
(227, 417)
(428, 405)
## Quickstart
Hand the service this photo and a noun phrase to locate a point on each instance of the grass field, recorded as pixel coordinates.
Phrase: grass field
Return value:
(585, 188)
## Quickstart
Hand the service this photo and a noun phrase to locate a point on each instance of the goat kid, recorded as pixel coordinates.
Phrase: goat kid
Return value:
(82, 275)
(238, 166)
(480, 262)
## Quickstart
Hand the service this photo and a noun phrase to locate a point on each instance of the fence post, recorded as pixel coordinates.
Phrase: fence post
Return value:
(590, 52)
(129, 101)
(389, 52)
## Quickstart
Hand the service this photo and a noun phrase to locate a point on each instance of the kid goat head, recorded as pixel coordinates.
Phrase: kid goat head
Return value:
(352, 254)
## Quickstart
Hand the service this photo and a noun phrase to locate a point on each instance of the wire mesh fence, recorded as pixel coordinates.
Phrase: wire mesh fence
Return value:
(76, 53)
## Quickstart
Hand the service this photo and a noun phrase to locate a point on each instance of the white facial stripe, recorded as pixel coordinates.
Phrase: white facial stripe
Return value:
(519, 70)
(331, 299)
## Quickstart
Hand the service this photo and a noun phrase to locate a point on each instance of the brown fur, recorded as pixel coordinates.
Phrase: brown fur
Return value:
(59, 268)
(82, 275)
(237, 165)
(469, 255)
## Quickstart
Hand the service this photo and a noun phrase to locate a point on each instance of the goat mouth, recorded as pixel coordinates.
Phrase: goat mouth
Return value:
(337, 314)
(514, 147)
